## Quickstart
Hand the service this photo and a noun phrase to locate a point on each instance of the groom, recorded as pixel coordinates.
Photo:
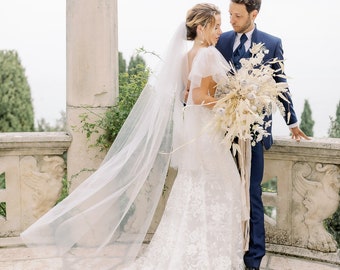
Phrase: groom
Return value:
(235, 45)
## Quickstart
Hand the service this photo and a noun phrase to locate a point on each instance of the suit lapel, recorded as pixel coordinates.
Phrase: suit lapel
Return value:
(229, 48)
(254, 37)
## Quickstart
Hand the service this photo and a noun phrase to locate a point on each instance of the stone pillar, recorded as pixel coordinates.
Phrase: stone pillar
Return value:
(92, 77)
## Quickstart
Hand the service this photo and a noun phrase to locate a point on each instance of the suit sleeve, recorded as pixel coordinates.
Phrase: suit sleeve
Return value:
(290, 115)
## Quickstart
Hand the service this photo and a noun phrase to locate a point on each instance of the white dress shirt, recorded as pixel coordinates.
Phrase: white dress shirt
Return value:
(247, 43)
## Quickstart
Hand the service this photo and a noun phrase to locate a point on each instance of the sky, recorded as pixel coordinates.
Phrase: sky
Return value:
(36, 29)
(309, 30)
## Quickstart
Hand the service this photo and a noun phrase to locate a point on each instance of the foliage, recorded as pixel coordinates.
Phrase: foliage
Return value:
(307, 122)
(60, 124)
(65, 183)
(16, 111)
(131, 83)
(65, 189)
(136, 65)
(334, 131)
(121, 63)
(2, 186)
(333, 223)
(270, 187)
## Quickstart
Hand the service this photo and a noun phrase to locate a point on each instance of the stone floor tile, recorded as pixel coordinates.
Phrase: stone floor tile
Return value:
(43, 264)
(264, 262)
(288, 263)
(20, 258)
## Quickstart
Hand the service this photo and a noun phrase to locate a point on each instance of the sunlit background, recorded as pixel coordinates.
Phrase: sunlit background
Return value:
(309, 31)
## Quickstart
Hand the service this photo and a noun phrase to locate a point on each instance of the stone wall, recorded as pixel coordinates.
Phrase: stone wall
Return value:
(32, 167)
(304, 177)
(305, 183)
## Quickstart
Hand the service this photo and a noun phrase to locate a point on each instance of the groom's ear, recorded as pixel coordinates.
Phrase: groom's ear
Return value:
(253, 14)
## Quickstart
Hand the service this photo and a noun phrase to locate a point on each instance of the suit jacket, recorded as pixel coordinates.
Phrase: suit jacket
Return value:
(274, 45)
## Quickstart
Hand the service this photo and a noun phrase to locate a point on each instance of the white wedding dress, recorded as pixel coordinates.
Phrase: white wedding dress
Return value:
(102, 224)
(201, 225)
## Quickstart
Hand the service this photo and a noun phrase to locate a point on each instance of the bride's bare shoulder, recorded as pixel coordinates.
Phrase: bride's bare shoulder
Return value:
(191, 56)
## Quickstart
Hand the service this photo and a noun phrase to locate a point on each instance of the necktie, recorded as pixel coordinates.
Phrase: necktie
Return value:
(239, 52)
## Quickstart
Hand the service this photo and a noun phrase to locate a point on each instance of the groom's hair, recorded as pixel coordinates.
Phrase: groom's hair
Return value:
(251, 5)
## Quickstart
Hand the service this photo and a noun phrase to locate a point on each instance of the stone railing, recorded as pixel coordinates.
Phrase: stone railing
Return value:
(306, 180)
(32, 168)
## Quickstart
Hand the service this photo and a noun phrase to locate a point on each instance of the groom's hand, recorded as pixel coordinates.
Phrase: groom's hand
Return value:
(298, 134)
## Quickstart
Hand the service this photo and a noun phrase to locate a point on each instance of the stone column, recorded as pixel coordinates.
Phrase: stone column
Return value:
(92, 77)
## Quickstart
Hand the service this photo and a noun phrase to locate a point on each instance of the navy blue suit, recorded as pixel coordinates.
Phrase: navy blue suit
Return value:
(253, 256)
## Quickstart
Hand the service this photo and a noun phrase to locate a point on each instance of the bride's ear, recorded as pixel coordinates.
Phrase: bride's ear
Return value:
(199, 29)
(200, 33)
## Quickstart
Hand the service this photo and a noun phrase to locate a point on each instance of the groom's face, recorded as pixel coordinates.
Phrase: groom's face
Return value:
(240, 19)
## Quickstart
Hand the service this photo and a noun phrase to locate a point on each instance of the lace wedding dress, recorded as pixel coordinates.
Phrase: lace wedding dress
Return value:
(103, 222)
(201, 225)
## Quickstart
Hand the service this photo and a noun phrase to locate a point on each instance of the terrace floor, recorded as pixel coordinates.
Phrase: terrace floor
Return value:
(14, 256)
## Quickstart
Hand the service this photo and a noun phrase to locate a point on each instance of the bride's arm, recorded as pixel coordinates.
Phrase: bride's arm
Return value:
(202, 95)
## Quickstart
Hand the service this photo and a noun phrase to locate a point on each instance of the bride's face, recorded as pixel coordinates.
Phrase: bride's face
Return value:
(213, 32)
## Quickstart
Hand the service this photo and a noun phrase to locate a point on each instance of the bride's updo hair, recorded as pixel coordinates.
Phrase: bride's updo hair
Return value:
(201, 14)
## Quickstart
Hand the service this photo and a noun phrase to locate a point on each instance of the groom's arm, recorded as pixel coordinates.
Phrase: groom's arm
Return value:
(290, 115)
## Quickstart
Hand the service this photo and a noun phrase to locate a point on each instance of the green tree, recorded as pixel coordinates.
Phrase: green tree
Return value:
(136, 65)
(334, 131)
(307, 122)
(333, 223)
(60, 124)
(16, 110)
(121, 63)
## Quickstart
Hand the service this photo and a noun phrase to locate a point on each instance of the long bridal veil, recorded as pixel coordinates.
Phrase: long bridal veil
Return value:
(104, 221)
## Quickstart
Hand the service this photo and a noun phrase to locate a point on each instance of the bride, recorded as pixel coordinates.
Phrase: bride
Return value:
(102, 224)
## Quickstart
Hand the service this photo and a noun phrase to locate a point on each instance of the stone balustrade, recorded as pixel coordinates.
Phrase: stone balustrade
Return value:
(306, 177)
(304, 183)
(304, 186)
(32, 168)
